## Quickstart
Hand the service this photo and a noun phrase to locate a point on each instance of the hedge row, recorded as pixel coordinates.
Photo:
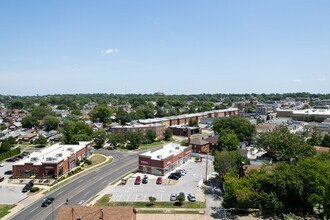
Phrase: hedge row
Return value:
(10, 153)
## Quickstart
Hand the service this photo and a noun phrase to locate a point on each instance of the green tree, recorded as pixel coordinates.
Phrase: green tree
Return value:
(16, 104)
(11, 140)
(241, 127)
(41, 141)
(326, 141)
(229, 141)
(135, 139)
(99, 138)
(168, 134)
(282, 145)
(101, 113)
(39, 112)
(115, 138)
(5, 146)
(51, 122)
(150, 136)
(193, 123)
(73, 132)
(316, 137)
(29, 122)
(227, 161)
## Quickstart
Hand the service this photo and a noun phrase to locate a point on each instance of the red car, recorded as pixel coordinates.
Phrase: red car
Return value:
(159, 180)
(137, 180)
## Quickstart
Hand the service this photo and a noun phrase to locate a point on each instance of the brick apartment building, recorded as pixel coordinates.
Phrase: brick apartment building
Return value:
(158, 128)
(163, 161)
(51, 162)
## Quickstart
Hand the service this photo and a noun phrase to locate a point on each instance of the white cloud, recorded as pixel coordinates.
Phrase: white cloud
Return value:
(297, 81)
(110, 50)
(322, 79)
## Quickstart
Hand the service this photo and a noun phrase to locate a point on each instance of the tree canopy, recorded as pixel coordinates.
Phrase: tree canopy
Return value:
(282, 145)
(244, 130)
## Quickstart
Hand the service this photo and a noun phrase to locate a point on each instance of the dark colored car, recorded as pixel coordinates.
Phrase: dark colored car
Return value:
(173, 177)
(21, 156)
(10, 160)
(176, 174)
(1, 178)
(9, 172)
(145, 180)
(47, 201)
(159, 180)
(27, 187)
(137, 180)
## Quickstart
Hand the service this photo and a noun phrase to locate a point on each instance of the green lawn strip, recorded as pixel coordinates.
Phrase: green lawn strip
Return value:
(63, 182)
(157, 211)
(189, 205)
(4, 209)
(104, 200)
(152, 145)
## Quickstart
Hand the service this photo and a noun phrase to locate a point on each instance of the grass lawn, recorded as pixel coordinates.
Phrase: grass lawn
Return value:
(4, 209)
(152, 145)
(104, 200)
(96, 159)
(191, 205)
(157, 211)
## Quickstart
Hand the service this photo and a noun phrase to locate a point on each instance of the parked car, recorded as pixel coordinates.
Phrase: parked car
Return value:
(9, 172)
(10, 160)
(137, 180)
(145, 179)
(17, 158)
(1, 178)
(2, 164)
(27, 187)
(21, 156)
(181, 194)
(159, 180)
(46, 202)
(191, 197)
(173, 177)
(173, 197)
(182, 171)
(176, 174)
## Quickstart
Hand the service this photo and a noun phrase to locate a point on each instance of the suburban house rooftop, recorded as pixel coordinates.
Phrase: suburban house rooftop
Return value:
(167, 150)
(52, 154)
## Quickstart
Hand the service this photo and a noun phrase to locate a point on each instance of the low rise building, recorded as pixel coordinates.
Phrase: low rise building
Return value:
(186, 131)
(163, 161)
(159, 129)
(51, 162)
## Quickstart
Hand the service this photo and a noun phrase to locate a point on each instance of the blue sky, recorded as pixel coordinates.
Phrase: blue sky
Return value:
(177, 47)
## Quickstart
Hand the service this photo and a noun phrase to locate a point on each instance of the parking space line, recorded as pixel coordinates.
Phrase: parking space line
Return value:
(120, 197)
(127, 197)
(136, 196)
(161, 197)
(144, 198)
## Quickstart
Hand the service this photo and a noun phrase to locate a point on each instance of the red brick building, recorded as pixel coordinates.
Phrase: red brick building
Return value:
(158, 128)
(51, 162)
(163, 161)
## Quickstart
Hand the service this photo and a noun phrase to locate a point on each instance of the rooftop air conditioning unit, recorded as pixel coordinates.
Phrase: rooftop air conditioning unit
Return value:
(159, 156)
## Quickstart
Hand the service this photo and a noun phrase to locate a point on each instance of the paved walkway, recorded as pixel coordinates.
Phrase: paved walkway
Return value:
(140, 216)
(31, 199)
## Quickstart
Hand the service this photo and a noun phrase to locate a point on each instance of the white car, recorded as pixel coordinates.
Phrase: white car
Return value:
(173, 197)
(2, 164)
(191, 197)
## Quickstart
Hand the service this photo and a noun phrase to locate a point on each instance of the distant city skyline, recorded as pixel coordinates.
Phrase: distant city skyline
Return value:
(175, 47)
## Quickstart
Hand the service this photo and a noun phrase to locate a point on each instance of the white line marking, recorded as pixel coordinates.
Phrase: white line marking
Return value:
(80, 181)
(34, 209)
(86, 193)
(120, 197)
(59, 193)
(161, 197)
(104, 181)
(81, 202)
(136, 198)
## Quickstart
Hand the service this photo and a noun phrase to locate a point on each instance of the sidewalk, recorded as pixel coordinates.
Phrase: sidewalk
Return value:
(31, 199)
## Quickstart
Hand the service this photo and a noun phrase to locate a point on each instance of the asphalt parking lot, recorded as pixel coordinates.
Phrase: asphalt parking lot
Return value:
(139, 193)
(10, 194)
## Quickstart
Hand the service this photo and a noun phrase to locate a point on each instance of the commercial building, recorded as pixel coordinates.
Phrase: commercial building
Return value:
(159, 129)
(51, 162)
(307, 115)
(163, 161)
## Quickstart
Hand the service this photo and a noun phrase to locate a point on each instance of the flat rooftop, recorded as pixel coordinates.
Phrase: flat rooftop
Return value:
(312, 111)
(53, 154)
(166, 151)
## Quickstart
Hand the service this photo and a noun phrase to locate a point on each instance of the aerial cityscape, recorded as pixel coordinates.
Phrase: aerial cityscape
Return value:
(144, 110)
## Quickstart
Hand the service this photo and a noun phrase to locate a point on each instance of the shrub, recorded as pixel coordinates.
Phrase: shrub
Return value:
(61, 178)
(34, 189)
(89, 162)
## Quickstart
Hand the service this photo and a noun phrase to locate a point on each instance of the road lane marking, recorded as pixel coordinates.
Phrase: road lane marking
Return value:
(80, 181)
(59, 193)
(86, 193)
(104, 181)
(81, 202)
(34, 209)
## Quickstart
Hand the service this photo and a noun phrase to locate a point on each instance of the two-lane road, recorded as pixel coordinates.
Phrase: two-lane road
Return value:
(83, 188)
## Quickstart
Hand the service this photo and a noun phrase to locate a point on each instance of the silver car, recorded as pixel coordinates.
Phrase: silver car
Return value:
(173, 197)
(191, 197)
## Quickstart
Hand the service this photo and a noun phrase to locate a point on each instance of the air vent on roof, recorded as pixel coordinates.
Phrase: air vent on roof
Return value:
(159, 156)
(177, 148)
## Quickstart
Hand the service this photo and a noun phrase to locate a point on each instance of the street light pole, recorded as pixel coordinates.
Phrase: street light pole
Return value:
(207, 164)
(52, 210)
